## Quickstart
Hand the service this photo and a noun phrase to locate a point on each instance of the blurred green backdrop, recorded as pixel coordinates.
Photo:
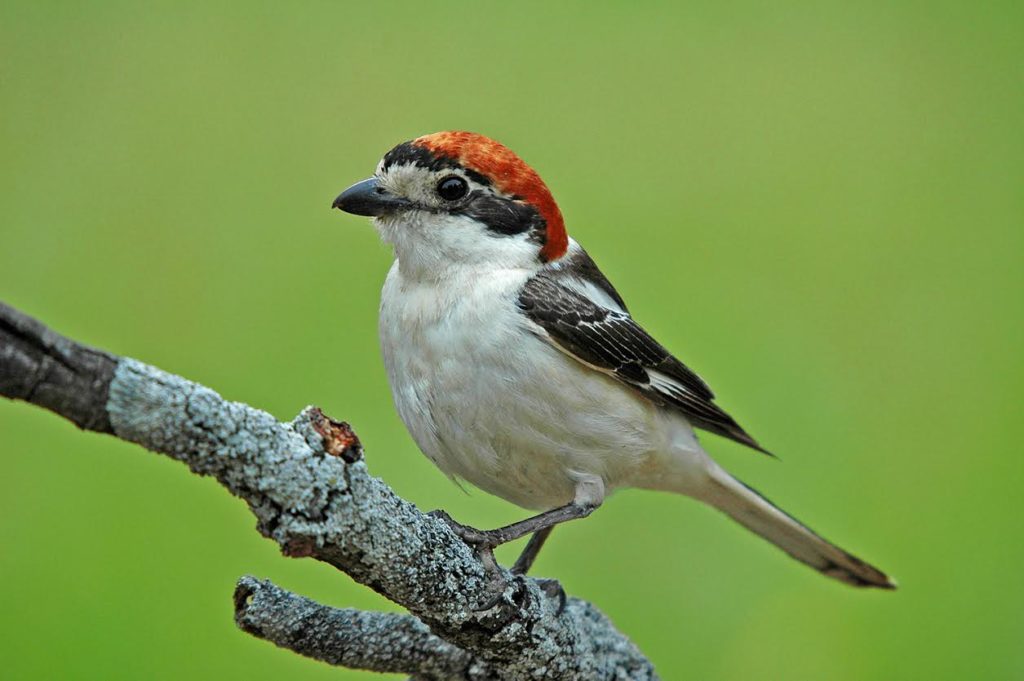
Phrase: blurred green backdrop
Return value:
(832, 193)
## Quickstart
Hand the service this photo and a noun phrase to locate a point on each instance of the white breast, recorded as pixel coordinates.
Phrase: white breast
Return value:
(490, 402)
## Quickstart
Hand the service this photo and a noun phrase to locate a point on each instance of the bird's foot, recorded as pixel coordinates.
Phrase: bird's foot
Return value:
(553, 589)
(476, 539)
(483, 545)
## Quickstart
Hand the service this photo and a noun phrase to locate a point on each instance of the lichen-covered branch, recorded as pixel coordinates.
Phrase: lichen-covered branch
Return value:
(377, 641)
(312, 494)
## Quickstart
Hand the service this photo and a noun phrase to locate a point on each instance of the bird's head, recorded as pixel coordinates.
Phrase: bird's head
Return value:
(459, 198)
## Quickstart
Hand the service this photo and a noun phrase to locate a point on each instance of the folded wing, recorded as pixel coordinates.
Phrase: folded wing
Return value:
(610, 341)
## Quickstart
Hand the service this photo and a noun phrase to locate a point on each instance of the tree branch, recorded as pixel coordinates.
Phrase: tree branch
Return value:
(377, 641)
(312, 495)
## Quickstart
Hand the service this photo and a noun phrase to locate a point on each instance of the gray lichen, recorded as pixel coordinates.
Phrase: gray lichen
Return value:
(315, 500)
(378, 641)
(314, 504)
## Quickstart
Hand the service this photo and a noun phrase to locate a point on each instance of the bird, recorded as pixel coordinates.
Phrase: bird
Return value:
(516, 366)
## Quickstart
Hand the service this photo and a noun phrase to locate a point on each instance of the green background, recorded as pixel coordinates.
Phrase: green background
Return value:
(818, 207)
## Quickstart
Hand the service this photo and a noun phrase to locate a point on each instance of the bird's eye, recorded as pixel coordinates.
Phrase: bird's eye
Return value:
(452, 188)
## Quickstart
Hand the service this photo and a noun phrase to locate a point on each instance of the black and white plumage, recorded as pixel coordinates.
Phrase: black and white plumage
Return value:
(609, 340)
(516, 366)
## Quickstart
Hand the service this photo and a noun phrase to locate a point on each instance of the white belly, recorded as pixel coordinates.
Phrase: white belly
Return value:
(501, 408)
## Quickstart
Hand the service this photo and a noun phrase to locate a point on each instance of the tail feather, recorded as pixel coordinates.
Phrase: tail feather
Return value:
(751, 509)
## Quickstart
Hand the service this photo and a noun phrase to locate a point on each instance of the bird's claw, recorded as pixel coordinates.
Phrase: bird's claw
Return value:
(496, 582)
(553, 589)
(483, 545)
(480, 540)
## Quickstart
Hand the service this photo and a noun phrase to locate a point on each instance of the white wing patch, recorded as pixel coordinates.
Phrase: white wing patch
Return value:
(592, 293)
(585, 288)
(666, 384)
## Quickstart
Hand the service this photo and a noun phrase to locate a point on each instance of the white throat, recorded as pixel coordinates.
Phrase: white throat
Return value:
(434, 246)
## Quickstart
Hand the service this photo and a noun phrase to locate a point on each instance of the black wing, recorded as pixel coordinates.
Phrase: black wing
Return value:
(610, 341)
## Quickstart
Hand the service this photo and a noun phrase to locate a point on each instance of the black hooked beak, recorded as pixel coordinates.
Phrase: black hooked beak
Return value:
(369, 198)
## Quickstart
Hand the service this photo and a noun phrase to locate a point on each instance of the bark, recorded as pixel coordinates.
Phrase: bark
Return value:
(307, 485)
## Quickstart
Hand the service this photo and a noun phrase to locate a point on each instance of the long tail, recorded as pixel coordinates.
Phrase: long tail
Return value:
(752, 510)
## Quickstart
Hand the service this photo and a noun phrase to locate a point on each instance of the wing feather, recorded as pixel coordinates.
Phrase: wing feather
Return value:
(611, 341)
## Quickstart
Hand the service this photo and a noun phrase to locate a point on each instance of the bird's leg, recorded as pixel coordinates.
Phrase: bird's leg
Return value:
(525, 560)
(541, 524)
(484, 542)
(589, 495)
(538, 523)
(552, 587)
